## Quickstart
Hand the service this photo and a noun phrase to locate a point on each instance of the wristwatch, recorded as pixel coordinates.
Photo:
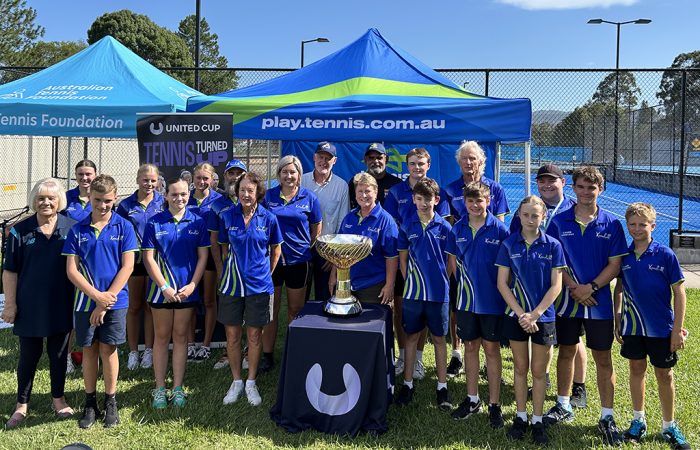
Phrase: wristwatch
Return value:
(594, 286)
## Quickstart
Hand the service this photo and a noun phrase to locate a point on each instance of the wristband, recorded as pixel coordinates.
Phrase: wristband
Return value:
(164, 287)
(594, 286)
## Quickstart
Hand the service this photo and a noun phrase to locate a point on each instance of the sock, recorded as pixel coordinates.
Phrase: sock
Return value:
(536, 419)
(91, 398)
(419, 355)
(666, 425)
(473, 398)
(606, 412)
(110, 396)
(441, 385)
(401, 353)
(564, 401)
(583, 385)
(267, 355)
(238, 382)
(522, 415)
(249, 383)
(638, 415)
(408, 383)
(457, 354)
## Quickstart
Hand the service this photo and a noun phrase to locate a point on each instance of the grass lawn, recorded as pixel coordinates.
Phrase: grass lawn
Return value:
(206, 423)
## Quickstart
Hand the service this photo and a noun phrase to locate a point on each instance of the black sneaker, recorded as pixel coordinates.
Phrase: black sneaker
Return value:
(636, 431)
(267, 363)
(608, 428)
(558, 414)
(405, 396)
(202, 354)
(455, 367)
(579, 399)
(518, 429)
(466, 408)
(111, 412)
(495, 416)
(443, 399)
(539, 434)
(90, 415)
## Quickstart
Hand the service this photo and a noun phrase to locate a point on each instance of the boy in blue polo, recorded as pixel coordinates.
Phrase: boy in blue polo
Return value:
(649, 322)
(422, 244)
(472, 248)
(100, 250)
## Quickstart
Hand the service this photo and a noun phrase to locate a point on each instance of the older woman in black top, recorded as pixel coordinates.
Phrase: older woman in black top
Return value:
(38, 295)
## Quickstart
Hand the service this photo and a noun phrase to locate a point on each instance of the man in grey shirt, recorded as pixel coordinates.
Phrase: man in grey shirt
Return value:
(332, 192)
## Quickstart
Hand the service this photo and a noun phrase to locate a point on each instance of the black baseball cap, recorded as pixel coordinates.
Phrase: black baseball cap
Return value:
(550, 170)
(327, 147)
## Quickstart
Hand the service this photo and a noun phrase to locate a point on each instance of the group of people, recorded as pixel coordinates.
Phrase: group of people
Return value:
(443, 259)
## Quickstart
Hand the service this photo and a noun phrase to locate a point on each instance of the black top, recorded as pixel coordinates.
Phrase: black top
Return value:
(44, 294)
(384, 185)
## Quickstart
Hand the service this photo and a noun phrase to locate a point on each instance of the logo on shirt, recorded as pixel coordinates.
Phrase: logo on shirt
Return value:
(626, 267)
(347, 225)
(273, 204)
(402, 201)
(598, 234)
(261, 228)
(133, 212)
(492, 241)
(657, 267)
(374, 229)
(461, 239)
(538, 255)
(413, 236)
(161, 233)
(516, 256)
(116, 238)
(566, 233)
(304, 207)
(233, 228)
(193, 232)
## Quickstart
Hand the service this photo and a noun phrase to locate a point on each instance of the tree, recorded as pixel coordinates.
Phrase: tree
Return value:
(628, 91)
(671, 84)
(542, 133)
(17, 29)
(157, 45)
(210, 82)
(571, 131)
(42, 54)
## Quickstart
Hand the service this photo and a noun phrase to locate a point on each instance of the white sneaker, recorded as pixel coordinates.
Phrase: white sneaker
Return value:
(253, 395)
(133, 362)
(221, 363)
(418, 370)
(233, 393)
(399, 366)
(70, 368)
(147, 359)
(244, 363)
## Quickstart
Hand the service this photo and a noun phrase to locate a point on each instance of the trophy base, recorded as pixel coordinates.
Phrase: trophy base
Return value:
(345, 308)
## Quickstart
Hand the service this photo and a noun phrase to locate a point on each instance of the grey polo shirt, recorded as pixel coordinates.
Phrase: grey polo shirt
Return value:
(333, 197)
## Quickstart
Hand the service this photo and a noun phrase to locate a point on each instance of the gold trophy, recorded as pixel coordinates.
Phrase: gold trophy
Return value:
(343, 250)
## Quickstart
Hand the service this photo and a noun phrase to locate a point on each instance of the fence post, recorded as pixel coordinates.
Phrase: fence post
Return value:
(486, 83)
(651, 138)
(497, 171)
(681, 163)
(269, 162)
(527, 168)
(673, 140)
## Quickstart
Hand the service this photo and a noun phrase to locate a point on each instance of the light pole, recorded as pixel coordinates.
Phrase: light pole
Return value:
(617, 79)
(321, 39)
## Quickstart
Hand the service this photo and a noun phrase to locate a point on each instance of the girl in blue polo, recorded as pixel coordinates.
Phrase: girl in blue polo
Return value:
(137, 209)
(175, 247)
(530, 265)
(78, 203)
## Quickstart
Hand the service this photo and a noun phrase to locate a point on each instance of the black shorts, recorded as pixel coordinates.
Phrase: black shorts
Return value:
(211, 266)
(370, 294)
(472, 326)
(294, 276)
(546, 335)
(398, 284)
(599, 332)
(174, 305)
(253, 310)
(657, 349)
(139, 270)
(111, 332)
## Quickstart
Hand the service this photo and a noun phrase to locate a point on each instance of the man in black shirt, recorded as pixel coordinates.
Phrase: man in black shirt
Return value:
(375, 159)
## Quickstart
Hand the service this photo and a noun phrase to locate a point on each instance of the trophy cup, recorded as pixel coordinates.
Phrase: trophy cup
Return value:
(343, 250)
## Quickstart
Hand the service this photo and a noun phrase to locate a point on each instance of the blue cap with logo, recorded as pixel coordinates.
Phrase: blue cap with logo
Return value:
(376, 147)
(235, 164)
(327, 147)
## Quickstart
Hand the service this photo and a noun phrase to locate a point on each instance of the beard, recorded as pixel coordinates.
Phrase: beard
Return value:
(374, 171)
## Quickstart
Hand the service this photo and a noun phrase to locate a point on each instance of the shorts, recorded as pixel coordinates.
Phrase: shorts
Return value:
(417, 314)
(294, 276)
(370, 294)
(657, 349)
(211, 266)
(453, 294)
(546, 335)
(252, 310)
(599, 332)
(398, 285)
(111, 332)
(139, 270)
(472, 326)
(174, 305)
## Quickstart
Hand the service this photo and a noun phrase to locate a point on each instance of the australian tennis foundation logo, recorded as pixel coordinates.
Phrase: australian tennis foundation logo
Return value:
(72, 92)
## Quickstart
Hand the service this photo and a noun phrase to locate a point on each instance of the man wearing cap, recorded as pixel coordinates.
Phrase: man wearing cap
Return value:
(375, 160)
(332, 192)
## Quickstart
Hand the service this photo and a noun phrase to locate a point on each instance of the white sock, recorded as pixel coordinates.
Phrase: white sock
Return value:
(408, 383)
(401, 353)
(473, 398)
(249, 383)
(441, 385)
(238, 382)
(606, 412)
(638, 415)
(522, 415)
(666, 425)
(564, 401)
(536, 419)
(419, 355)
(457, 354)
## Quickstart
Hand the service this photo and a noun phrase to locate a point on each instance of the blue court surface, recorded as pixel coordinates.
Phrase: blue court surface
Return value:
(615, 199)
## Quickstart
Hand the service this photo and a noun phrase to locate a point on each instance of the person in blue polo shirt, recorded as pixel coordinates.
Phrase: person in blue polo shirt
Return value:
(100, 250)
(530, 265)
(175, 247)
(298, 212)
(594, 243)
(472, 248)
(372, 278)
(649, 321)
(137, 209)
(422, 243)
(250, 240)
(78, 202)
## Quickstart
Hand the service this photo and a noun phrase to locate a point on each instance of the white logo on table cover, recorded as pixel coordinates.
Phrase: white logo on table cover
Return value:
(333, 405)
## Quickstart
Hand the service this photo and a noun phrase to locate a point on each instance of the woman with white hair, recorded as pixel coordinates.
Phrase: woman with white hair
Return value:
(39, 302)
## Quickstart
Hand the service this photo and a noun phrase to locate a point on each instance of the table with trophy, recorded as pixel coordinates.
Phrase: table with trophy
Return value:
(337, 371)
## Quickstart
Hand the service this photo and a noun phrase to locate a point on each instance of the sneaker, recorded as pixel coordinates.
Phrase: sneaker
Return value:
(398, 366)
(418, 370)
(133, 362)
(267, 363)
(160, 398)
(579, 398)
(203, 353)
(90, 415)
(518, 429)
(178, 397)
(221, 363)
(253, 395)
(443, 399)
(608, 428)
(495, 416)
(673, 436)
(70, 368)
(191, 352)
(234, 393)
(539, 434)
(636, 431)
(111, 412)
(466, 408)
(455, 367)
(405, 395)
(558, 414)
(147, 359)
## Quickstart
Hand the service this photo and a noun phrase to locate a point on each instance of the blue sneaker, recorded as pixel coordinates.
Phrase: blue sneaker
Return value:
(636, 431)
(558, 414)
(673, 436)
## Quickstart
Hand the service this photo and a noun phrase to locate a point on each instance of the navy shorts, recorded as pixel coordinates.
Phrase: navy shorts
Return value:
(294, 276)
(111, 332)
(370, 294)
(599, 333)
(253, 310)
(546, 335)
(471, 326)
(417, 314)
(657, 349)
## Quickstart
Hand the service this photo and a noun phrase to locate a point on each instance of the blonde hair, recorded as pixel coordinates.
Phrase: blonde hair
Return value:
(103, 184)
(51, 186)
(473, 145)
(534, 200)
(287, 160)
(147, 168)
(418, 152)
(641, 209)
(365, 178)
(205, 166)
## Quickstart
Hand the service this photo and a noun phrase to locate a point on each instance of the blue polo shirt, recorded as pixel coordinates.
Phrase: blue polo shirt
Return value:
(647, 308)
(295, 217)
(552, 210)
(426, 273)
(455, 195)
(75, 208)
(399, 202)
(587, 250)
(202, 209)
(175, 244)
(476, 253)
(531, 270)
(100, 257)
(381, 228)
(132, 210)
(220, 205)
(247, 267)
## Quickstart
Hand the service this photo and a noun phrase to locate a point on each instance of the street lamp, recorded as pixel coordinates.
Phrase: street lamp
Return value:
(617, 78)
(321, 39)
